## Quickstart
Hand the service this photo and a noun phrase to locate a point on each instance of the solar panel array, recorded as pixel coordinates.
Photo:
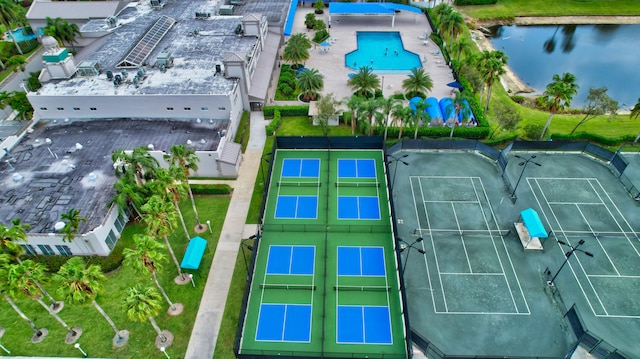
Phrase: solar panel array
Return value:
(147, 43)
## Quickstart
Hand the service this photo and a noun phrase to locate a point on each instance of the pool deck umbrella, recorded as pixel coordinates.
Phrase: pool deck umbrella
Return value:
(455, 85)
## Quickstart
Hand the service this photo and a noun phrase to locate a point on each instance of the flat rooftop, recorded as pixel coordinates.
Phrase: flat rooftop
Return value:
(45, 179)
(197, 45)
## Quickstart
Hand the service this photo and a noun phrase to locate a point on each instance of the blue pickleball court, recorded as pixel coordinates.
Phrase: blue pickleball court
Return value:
(361, 261)
(291, 260)
(364, 325)
(356, 168)
(293, 207)
(358, 207)
(284, 323)
(300, 167)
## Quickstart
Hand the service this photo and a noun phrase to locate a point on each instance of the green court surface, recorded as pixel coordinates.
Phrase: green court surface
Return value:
(325, 281)
(477, 292)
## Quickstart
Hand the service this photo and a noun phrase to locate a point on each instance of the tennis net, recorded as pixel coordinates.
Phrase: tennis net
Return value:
(287, 286)
(357, 184)
(464, 232)
(362, 288)
(298, 184)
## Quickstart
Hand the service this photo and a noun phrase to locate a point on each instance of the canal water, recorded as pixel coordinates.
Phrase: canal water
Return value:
(598, 55)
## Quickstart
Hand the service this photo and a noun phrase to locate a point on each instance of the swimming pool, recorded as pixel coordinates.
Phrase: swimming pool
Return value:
(19, 35)
(383, 51)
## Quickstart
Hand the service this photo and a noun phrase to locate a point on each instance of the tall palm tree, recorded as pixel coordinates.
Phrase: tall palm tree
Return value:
(462, 46)
(365, 82)
(9, 238)
(38, 333)
(386, 106)
(166, 186)
(128, 197)
(10, 12)
(297, 49)
(353, 104)
(417, 82)
(491, 65)
(558, 96)
(62, 30)
(146, 258)
(419, 116)
(139, 165)
(143, 304)
(22, 278)
(185, 159)
(635, 112)
(459, 109)
(452, 24)
(161, 217)
(72, 221)
(368, 110)
(402, 113)
(310, 82)
(81, 284)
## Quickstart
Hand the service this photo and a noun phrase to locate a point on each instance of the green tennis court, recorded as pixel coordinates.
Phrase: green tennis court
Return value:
(325, 281)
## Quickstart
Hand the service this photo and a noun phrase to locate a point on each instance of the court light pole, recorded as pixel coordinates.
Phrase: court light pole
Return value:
(244, 244)
(395, 159)
(404, 245)
(524, 163)
(567, 255)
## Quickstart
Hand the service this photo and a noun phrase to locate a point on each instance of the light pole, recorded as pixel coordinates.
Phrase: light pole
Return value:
(396, 159)
(209, 225)
(193, 283)
(243, 244)
(403, 245)
(77, 346)
(567, 255)
(164, 350)
(524, 164)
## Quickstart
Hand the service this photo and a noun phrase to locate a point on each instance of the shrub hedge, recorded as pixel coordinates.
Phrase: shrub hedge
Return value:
(475, 2)
(298, 110)
(591, 137)
(220, 188)
(274, 124)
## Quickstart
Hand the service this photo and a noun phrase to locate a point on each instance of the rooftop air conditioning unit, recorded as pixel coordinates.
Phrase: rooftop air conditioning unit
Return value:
(88, 68)
(157, 4)
(164, 59)
(226, 10)
(112, 22)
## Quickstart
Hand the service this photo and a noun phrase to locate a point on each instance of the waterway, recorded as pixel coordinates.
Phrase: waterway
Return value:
(598, 55)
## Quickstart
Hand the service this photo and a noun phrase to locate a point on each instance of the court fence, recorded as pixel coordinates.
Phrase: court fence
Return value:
(278, 354)
(589, 341)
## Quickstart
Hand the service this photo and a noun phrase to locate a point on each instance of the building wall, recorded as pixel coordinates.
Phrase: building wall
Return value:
(131, 106)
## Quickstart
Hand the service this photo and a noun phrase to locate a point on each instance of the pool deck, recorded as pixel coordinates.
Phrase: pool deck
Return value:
(331, 64)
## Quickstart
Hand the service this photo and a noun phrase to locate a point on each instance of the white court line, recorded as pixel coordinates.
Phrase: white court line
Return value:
(426, 265)
(502, 267)
(613, 276)
(484, 313)
(464, 247)
(597, 240)
(441, 201)
(577, 203)
(569, 262)
(477, 274)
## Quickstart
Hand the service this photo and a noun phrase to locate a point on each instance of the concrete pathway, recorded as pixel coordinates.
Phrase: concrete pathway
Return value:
(207, 325)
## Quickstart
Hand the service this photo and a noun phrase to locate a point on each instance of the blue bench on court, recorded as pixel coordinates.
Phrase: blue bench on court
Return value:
(531, 229)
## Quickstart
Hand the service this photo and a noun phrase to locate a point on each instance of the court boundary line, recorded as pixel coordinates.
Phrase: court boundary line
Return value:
(375, 170)
(593, 182)
(362, 306)
(350, 275)
(286, 305)
(300, 174)
(290, 259)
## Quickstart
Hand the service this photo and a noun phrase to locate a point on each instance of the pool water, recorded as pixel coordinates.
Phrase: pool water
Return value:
(19, 35)
(382, 51)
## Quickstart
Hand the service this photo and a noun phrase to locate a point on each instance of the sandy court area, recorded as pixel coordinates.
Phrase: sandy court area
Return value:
(412, 27)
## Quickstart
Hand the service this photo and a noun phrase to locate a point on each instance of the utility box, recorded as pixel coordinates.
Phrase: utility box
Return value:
(226, 10)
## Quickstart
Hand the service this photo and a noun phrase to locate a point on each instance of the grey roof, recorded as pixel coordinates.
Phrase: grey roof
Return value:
(74, 10)
(275, 10)
(197, 45)
(56, 176)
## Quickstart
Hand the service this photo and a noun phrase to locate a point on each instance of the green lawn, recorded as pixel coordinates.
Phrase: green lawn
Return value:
(510, 8)
(97, 335)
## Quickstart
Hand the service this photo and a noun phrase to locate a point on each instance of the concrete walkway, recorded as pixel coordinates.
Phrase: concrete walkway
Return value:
(207, 325)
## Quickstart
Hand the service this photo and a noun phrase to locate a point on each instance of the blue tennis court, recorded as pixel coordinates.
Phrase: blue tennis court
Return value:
(297, 207)
(361, 261)
(364, 324)
(291, 260)
(356, 168)
(358, 207)
(301, 167)
(284, 323)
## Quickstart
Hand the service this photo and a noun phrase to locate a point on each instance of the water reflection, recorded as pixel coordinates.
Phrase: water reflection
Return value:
(598, 55)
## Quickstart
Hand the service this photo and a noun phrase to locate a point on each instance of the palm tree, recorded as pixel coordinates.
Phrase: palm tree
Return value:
(24, 277)
(18, 61)
(297, 50)
(491, 65)
(459, 108)
(129, 195)
(452, 23)
(146, 258)
(10, 12)
(417, 82)
(401, 113)
(139, 165)
(62, 30)
(161, 217)
(364, 83)
(166, 186)
(386, 106)
(310, 82)
(558, 96)
(38, 333)
(72, 224)
(353, 104)
(185, 159)
(9, 238)
(635, 112)
(143, 304)
(81, 284)
(419, 116)
(368, 110)
(461, 46)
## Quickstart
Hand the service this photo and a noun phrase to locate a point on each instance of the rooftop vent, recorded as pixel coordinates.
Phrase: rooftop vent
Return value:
(164, 60)
(150, 146)
(78, 146)
(218, 69)
(235, 2)
(92, 177)
(202, 15)
(109, 75)
(157, 4)
(112, 22)
(88, 68)
(238, 30)
(59, 226)
(17, 177)
(226, 10)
